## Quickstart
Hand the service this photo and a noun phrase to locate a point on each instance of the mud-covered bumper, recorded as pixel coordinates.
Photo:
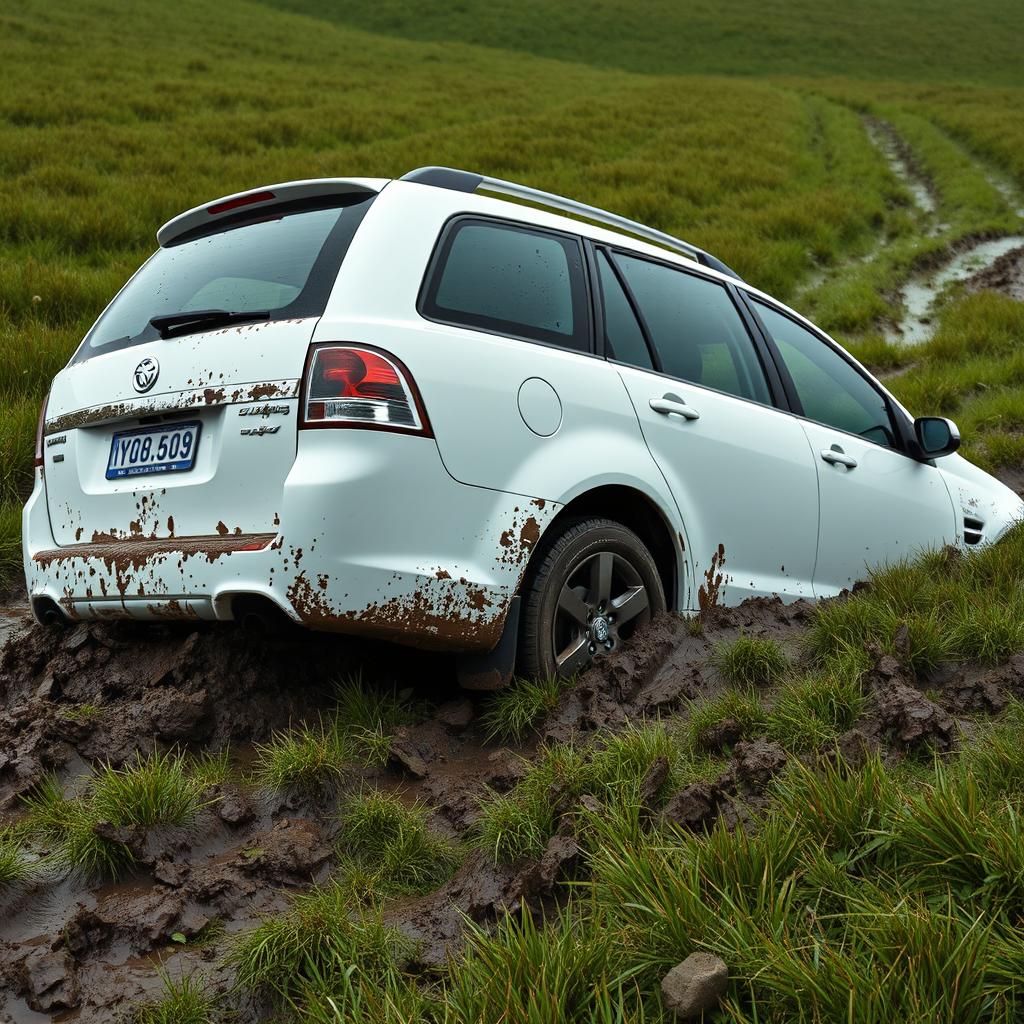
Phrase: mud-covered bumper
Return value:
(374, 538)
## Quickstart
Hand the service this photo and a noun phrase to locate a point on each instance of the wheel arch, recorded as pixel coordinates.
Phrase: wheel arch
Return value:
(637, 512)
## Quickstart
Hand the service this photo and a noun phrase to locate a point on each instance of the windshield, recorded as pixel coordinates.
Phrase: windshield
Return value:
(280, 266)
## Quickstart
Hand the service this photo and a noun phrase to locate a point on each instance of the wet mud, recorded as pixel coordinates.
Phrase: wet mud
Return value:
(71, 949)
(986, 263)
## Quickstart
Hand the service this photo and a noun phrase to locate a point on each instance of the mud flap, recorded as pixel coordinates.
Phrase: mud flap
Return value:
(492, 670)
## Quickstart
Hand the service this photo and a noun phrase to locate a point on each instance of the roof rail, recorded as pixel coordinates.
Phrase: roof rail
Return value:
(466, 181)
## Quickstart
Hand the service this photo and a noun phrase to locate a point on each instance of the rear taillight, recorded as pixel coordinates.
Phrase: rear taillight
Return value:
(356, 386)
(39, 432)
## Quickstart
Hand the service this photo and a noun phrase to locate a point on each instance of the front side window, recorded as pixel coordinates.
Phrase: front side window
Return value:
(281, 266)
(830, 389)
(511, 280)
(695, 329)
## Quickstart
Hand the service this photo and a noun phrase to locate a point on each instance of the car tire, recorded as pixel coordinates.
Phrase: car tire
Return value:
(595, 583)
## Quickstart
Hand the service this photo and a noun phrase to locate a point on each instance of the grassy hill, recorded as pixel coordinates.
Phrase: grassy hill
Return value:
(749, 129)
(912, 41)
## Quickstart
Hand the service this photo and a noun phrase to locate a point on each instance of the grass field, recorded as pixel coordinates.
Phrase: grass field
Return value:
(744, 130)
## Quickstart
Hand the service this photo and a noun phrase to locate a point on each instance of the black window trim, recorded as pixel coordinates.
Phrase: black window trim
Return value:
(765, 361)
(901, 430)
(435, 263)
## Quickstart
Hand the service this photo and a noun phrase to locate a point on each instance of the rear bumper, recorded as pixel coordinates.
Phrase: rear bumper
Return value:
(375, 539)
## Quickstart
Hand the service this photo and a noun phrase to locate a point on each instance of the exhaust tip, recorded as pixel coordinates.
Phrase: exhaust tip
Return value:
(257, 614)
(48, 612)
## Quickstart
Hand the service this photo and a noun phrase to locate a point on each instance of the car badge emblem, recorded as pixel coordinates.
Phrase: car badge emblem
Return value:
(145, 374)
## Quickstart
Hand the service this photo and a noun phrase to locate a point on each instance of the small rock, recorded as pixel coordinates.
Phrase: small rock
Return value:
(233, 808)
(695, 986)
(192, 922)
(180, 716)
(293, 847)
(456, 713)
(48, 688)
(652, 782)
(170, 873)
(50, 982)
(407, 756)
(911, 718)
(506, 770)
(723, 733)
(77, 637)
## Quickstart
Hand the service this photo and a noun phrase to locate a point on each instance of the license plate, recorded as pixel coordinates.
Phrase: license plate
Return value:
(170, 449)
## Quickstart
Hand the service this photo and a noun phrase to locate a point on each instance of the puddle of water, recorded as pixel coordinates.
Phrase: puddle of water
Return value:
(16, 1011)
(920, 295)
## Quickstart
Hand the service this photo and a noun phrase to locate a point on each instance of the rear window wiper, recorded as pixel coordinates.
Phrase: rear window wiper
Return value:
(192, 320)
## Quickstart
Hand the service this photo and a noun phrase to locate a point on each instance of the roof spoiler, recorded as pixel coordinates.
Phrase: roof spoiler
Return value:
(467, 181)
(207, 215)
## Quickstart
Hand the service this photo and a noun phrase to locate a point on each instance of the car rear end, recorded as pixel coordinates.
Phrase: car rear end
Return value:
(218, 443)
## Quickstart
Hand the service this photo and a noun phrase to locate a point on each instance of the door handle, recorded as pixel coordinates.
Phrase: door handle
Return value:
(835, 456)
(672, 404)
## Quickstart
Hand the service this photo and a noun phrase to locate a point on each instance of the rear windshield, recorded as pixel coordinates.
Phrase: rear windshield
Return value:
(282, 264)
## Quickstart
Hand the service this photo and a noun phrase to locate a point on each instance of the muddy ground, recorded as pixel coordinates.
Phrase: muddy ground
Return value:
(71, 950)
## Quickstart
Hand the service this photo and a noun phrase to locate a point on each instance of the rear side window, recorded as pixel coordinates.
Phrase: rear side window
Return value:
(623, 338)
(695, 328)
(285, 265)
(511, 280)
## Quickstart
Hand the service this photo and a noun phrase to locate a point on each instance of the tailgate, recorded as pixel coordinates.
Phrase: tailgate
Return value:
(229, 396)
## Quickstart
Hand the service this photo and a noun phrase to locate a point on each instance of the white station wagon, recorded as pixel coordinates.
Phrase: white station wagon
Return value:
(417, 411)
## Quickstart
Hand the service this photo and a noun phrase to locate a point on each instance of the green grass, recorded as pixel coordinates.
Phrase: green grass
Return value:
(809, 713)
(740, 706)
(13, 865)
(185, 1001)
(515, 711)
(518, 824)
(320, 757)
(159, 789)
(869, 39)
(389, 842)
(940, 608)
(323, 937)
(751, 661)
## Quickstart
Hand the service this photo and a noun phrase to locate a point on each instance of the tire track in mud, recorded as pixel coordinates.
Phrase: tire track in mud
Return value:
(967, 260)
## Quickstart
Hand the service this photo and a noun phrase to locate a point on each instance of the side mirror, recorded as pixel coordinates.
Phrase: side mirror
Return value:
(936, 436)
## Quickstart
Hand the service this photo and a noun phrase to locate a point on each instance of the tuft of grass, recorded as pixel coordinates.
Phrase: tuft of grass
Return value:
(322, 938)
(519, 824)
(313, 759)
(751, 661)
(13, 866)
(318, 758)
(156, 790)
(809, 713)
(159, 789)
(391, 842)
(525, 973)
(742, 706)
(70, 825)
(514, 711)
(185, 1001)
